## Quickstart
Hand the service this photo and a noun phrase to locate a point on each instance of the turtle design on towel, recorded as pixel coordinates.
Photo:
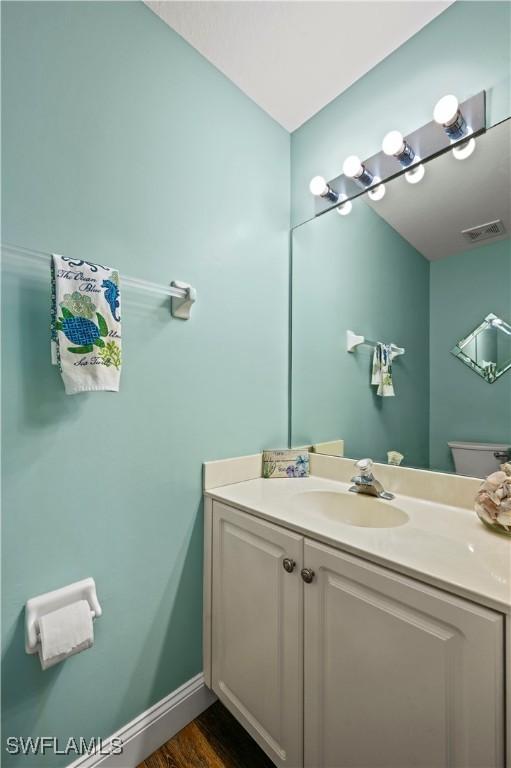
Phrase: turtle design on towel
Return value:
(82, 331)
(112, 295)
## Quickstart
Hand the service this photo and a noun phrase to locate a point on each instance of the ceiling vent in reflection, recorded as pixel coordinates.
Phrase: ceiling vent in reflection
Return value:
(484, 231)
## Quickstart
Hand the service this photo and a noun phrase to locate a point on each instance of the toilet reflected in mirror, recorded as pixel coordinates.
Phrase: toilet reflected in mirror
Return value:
(479, 459)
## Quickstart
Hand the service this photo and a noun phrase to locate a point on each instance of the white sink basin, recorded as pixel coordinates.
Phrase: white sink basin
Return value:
(351, 508)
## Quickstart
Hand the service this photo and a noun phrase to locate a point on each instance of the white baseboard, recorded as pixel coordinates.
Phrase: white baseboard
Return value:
(152, 728)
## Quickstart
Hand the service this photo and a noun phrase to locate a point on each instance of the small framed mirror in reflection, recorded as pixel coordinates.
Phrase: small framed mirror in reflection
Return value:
(487, 349)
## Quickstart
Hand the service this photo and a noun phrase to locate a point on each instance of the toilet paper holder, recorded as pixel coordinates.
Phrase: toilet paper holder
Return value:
(52, 601)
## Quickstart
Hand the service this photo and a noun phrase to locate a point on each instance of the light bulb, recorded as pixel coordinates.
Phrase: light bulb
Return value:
(346, 207)
(464, 150)
(318, 186)
(447, 114)
(396, 146)
(377, 193)
(446, 110)
(354, 169)
(392, 144)
(415, 174)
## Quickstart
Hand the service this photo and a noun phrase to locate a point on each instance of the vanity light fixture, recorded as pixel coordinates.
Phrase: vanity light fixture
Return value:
(319, 188)
(454, 127)
(345, 208)
(354, 169)
(377, 193)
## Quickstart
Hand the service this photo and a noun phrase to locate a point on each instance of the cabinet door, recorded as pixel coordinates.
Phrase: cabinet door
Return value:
(397, 674)
(257, 630)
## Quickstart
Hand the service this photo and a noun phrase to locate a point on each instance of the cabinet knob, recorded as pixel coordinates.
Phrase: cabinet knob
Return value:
(288, 564)
(307, 575)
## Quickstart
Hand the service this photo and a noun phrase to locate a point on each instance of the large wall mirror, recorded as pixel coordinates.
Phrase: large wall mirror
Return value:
(427, 268)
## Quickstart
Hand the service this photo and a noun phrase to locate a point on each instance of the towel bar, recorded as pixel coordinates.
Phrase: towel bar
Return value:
(183, 296)
(353, 340)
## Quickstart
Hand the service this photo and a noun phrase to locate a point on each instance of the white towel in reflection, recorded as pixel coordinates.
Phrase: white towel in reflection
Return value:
(382, 370)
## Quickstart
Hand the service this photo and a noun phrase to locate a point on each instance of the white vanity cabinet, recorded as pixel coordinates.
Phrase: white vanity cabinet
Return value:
(358, 667)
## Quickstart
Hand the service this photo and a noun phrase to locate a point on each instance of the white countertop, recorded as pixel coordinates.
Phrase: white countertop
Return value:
(445, 546)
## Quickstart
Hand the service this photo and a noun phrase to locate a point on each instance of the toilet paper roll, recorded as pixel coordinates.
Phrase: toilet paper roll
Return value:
(64, 632)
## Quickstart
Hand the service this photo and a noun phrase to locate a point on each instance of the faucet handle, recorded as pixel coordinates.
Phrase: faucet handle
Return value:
(365, 466)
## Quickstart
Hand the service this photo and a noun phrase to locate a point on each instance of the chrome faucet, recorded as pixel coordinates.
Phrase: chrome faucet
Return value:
(365, 482)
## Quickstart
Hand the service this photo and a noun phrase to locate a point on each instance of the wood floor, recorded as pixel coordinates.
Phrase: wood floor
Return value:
(213, 740)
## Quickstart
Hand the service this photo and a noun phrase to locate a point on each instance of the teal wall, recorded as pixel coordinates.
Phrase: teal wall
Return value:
(358, 273)
(464, 288)
(464, 50)
(122, 144)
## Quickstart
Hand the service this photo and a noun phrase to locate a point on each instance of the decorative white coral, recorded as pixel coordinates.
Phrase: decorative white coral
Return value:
(493, 500)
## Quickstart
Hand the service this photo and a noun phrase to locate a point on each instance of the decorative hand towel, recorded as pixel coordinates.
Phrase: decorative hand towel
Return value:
(85, 325)
(382, 370)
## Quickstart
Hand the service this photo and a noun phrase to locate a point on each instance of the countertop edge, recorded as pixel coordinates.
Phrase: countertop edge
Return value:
(447, 586)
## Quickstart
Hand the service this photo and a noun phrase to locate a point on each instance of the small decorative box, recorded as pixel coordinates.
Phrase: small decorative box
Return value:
(287, 463)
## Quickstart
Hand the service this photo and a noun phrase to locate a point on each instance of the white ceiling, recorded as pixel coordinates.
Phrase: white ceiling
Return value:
(292, 58)
(453, 195)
